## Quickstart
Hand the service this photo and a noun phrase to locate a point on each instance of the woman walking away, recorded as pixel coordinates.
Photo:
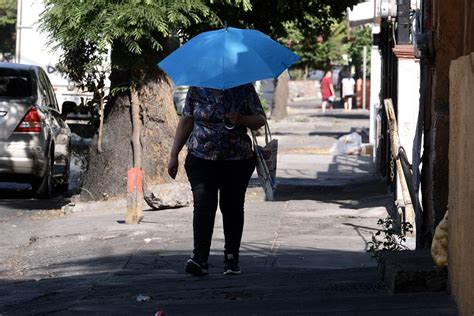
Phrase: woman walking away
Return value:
(219, 165)
(348, 84)
(327, 90)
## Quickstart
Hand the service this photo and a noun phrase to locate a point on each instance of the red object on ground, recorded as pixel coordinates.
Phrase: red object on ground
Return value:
(160, 313)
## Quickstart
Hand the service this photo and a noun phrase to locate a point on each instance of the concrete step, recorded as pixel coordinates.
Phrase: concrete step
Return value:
(412, 271)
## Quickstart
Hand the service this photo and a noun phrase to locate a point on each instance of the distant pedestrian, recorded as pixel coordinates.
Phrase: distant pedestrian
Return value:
(348, 85)
(219, 165)
(327, 90)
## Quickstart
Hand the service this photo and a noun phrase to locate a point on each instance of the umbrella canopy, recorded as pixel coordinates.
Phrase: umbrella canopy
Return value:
(227, 58)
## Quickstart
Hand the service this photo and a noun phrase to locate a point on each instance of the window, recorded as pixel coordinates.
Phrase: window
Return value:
(46, 90)
(15, 83)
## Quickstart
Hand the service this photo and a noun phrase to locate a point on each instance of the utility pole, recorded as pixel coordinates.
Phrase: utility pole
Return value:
(19, 25)
(364, 78)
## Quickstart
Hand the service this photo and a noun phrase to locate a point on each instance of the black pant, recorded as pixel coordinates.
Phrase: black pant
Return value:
(228, 179)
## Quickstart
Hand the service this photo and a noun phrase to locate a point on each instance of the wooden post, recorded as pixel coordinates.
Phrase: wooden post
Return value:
(135, 175)
(410, 215)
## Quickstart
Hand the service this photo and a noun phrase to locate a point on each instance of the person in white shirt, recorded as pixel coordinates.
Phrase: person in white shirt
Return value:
(348, 85)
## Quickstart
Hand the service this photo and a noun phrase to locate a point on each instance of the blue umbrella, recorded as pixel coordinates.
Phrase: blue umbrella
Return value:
(227, 58)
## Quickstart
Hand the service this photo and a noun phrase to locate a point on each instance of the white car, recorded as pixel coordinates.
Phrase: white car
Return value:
(34, 139)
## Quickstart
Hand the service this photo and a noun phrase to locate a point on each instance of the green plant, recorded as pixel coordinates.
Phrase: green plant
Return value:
(389, 237)
(265, 105)
(296, 74)
(8, 10)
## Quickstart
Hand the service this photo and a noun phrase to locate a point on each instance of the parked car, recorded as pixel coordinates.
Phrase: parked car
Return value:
(34, 139)
(317, 74)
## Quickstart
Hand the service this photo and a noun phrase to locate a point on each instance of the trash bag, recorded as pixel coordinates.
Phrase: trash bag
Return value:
(350, 144)
(439, 246)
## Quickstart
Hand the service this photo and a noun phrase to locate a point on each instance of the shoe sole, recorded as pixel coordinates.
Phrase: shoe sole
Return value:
(195, 269)
(232, 272)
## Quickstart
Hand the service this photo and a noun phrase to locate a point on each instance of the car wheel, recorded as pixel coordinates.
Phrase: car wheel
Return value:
(44, 187)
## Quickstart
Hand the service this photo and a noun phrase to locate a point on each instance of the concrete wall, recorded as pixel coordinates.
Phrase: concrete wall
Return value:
(408, 104)
(375, 84)
(461, 183)
(407, 120)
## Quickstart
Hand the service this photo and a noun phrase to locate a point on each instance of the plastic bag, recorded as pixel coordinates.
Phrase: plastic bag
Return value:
(350, 144)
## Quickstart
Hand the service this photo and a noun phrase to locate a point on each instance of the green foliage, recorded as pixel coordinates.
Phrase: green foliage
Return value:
(360, 37)
(134, 28)
(296, 74)
(309, 16)
(341, 45)
(319, 52)
(134, 24)
(138, 32)
(7, 27)
(265, 105)
(388, 237)
(7, 12)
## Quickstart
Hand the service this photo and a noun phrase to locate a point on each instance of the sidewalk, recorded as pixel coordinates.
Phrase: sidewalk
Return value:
(303, 254)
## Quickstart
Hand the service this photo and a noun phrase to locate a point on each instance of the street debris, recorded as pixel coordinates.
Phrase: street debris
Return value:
(68, 209)
(350, 144)
(143, 298)
(149, 240)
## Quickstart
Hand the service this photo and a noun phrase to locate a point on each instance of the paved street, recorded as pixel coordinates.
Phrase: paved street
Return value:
(302, 254)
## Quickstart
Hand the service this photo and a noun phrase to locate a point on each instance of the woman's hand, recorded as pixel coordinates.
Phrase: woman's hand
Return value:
(184, 129)
(173, 164)
(253, 122)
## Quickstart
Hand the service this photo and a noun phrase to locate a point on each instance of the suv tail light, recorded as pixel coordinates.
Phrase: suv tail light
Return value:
(31, 123)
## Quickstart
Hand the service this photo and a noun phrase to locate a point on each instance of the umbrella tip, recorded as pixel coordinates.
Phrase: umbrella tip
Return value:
(225, 25)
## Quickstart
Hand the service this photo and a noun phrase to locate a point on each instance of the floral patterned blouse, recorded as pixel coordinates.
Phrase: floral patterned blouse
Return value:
(213, 136)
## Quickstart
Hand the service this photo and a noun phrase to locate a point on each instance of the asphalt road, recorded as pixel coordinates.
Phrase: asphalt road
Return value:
(16, 201)
(302, 254)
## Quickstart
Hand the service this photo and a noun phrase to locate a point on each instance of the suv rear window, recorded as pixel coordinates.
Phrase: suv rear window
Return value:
(15, 83)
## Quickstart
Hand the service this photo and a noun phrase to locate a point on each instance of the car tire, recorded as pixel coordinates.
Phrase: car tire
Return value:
(43, 189)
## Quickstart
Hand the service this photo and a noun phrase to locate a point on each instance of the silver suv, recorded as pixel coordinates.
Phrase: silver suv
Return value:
(34, 139)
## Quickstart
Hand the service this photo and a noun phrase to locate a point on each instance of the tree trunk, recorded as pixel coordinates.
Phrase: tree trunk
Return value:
(107, 173)
(135, 174)
(280, 97)
(136, 127)
(101, 122)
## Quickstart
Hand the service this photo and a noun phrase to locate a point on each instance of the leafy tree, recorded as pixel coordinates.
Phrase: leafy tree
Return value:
(137, 33)
(7, 27)
(360, 37)
(309, 17)
(321, 52)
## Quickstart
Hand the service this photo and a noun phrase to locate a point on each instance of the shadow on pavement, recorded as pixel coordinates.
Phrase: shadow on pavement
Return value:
(343, 115)
(22, 200)
(352, 196)
(111, 285)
